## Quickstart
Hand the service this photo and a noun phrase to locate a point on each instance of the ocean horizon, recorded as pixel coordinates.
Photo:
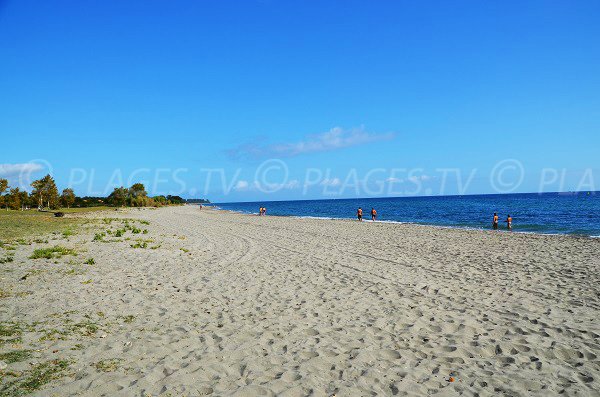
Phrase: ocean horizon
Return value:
(569, 213)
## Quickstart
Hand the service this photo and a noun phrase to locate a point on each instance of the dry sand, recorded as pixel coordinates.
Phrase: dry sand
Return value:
(227, 304)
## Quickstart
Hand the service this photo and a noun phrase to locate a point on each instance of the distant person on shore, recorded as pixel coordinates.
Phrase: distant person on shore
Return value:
(264, 210)
(359, 214)
(373, 214)
(260, 211)
(509, 222)
(495, 221)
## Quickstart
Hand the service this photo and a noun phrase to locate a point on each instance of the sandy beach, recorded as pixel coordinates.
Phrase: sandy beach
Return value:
(191, 302)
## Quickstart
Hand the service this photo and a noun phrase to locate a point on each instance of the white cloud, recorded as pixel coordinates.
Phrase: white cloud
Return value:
(12, 170)
(335, 138)
(242, 185)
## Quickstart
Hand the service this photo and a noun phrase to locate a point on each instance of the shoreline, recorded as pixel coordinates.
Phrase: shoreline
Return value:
(451, 227)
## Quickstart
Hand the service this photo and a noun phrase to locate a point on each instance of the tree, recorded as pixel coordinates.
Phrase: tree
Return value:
(24, 199)
(138, 197)
(16, 199)
(175, 199)
(160, 200)
(45, 191)
(119, 196)
(67, 198)
(3, 188)
(138, 190)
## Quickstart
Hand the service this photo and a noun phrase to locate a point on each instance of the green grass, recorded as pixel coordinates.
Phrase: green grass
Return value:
(15, 356)
(68, 233)
(10, 333)
(86, 209)
(90, 261)
(15, 225)
(34, 378)
(9, 329)
(52, 252)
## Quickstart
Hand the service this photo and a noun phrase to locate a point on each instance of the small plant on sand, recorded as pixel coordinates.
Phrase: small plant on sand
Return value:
(143, 222)
(10, 333)
(52, 252)
(99, 236)
(120, 232)
(15, 356)
(85, 328)
(68, 233)
(33, 379)
(128, 319)
(109, 365)
(145, 231)
(135, 230)
(90, 261)
(6, 259)
(140, 244)
(74, 272)
(185, 250)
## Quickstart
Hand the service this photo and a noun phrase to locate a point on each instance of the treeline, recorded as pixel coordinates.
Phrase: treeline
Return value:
(197, 201)
(45, 195)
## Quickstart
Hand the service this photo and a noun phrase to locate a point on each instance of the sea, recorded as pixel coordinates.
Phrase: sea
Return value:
(545, 213)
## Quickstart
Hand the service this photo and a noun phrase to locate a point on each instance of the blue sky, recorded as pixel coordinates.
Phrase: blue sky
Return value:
(259, 100)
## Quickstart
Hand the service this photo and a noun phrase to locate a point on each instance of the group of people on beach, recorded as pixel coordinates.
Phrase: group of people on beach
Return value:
(359, 214)
(508, 222)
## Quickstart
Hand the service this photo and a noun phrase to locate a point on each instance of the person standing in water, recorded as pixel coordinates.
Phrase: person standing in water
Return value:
(495, 221)
(509, 222)
(373, 214)
(359, 214)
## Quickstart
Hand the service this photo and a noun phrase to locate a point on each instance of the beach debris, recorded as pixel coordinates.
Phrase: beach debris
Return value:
(451, 379)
